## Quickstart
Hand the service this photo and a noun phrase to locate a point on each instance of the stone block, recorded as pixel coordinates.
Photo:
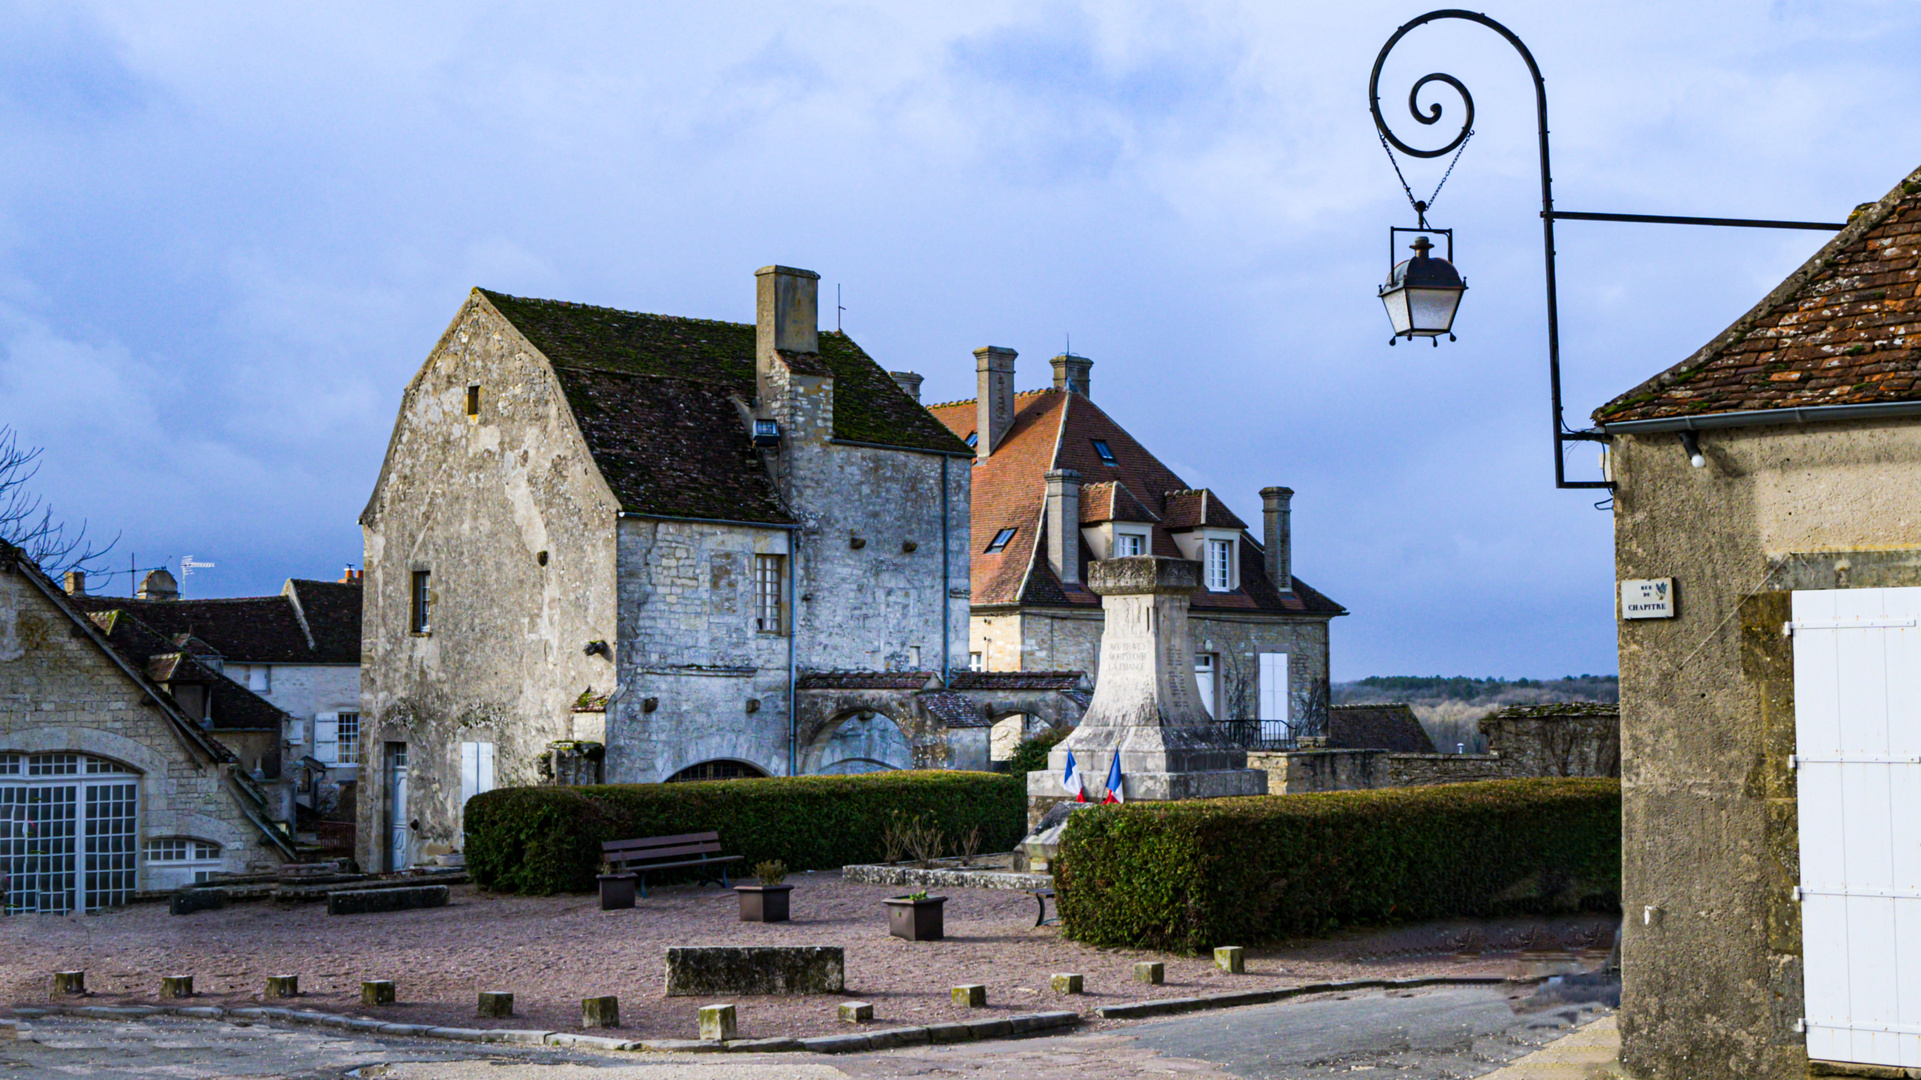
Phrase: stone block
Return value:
(1229, 959)
(366, 901)
(176, 986)
(973, 995)
(1151, 972)
(856, 1012)
(718, 1022)
(1065, 983)
(377, 992)
(600, 1012)
(694, 971)
(282, 986)
(496, 1003)
(69, 982)
(188, 901)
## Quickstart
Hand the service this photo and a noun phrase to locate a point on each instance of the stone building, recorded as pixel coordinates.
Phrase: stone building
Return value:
(299, 651)
(677, 538)
(1058, 484)
(1768, 547)
(126, 758)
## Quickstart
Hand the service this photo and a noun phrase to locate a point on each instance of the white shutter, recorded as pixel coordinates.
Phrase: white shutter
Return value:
(484, 775)
(469, 771)
(326, 737)
(1274, 686)
(1857, 729)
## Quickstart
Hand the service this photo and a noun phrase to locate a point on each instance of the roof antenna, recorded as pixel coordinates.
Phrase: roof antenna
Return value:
(837, 309)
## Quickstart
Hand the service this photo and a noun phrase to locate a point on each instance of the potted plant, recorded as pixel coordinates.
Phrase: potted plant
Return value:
(767, 901)
(616, 890)
(916, 916)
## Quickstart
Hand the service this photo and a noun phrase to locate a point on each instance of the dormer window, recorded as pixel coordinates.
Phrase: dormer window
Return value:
(1000, 540)
(766, 433)
(1107, 456)
(1220, 565)
(1126, 544)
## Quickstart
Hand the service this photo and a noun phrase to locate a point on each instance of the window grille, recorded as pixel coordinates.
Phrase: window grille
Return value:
(68, 829)
(1126, 544)
(348, 737)
(767, 594)
(1220, 565)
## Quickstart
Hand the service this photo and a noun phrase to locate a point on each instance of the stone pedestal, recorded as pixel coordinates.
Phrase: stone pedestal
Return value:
(1146, 706)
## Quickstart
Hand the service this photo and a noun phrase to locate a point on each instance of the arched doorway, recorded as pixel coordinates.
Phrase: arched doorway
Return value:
(860, 742)
(719, 769)
(69, 832)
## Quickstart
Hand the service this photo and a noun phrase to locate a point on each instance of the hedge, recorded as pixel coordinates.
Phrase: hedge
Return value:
(542, 840)
(1189, 876)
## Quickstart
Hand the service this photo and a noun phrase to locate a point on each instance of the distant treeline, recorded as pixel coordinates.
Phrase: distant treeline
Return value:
(1450, 707)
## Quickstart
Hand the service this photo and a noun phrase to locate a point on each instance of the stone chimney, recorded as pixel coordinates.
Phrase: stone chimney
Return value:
(1064, 525)
(1279, 536)
(159, 585)
(909, 382)
(786, 309)
(1073, 373)
(76, 583)
(994, 406)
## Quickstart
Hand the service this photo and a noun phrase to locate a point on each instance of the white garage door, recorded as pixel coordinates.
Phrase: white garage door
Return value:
(1857, 730)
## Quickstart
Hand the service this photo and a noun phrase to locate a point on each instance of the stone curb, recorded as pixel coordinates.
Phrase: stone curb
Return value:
(1173, 1006)
(1029, 1024)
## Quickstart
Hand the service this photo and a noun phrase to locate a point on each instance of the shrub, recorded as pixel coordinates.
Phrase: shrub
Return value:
(542, 840)
(1192, 875)
(1030, 754)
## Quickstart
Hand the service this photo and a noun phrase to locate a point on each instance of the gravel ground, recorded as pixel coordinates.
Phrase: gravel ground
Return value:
(553, 951)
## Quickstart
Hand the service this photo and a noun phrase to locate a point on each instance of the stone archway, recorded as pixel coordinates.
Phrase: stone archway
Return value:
(859, 741)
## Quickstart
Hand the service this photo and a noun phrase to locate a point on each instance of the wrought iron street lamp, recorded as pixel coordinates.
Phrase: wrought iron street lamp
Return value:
(1427, 305)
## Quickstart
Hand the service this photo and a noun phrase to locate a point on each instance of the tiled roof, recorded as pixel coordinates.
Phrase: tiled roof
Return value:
(1199, 509)
(257, 629)
(956, 710)
(1056, 429)
(1841, 330)
(1110, 500)
(867, 680)
(1016, 680)
(163, 660)
(653, 395)
(1376, 727)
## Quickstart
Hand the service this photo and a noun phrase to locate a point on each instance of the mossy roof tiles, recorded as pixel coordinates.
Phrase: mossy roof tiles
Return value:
(256, 629)
(1841, 330)
(1376, 727)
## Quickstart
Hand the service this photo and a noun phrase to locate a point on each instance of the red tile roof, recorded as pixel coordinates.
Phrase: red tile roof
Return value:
(1841, 330)
(1056, 429)
(1197, 509)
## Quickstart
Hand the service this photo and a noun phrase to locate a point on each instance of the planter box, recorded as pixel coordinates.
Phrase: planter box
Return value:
(763, 903)
(916, 920)
(616, 891)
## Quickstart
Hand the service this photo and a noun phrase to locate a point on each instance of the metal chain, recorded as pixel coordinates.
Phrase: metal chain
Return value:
(1423, 207)
(1450, 169)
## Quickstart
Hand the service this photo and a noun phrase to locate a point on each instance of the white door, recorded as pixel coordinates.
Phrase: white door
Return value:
(1857, 732)
(1274, 712)
(1204, 679)
(399, 834)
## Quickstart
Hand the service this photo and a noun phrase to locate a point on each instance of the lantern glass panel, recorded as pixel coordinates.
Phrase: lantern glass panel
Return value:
(1432, 309)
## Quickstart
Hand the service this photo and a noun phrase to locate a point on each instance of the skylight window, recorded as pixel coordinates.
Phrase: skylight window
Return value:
(973, 438)
(1000, 540)
(1107, 456)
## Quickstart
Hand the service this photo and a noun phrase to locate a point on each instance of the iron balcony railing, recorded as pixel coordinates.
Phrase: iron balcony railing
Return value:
(1265, 734)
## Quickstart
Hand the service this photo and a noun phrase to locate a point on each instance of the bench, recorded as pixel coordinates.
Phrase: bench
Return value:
(667, 853)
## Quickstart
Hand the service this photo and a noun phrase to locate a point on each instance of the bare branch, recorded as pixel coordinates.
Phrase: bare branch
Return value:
(27, 521)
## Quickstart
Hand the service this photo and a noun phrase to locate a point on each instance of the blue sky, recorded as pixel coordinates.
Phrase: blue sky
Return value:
(230, 233)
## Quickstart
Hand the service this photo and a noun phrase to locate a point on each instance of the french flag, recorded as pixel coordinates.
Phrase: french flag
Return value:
(1114, 782)
(1072, 781)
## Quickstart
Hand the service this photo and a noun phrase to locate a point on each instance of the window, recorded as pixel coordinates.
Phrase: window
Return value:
(67, 832)
(1000, 540)
(716, 770)
(1107, 456)
(176, 849)
(259, 679)
(973, 438)
(422, 600)
(1126, 544)
(473, 400)
(336, 738)
(1220, 565)
(348, 733)
(767, 594)
(175, 861)
(974, 662)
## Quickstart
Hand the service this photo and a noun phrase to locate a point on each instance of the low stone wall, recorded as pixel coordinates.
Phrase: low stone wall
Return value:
(1302, 771)
(937, 878)
(694, 971)
(365, 901)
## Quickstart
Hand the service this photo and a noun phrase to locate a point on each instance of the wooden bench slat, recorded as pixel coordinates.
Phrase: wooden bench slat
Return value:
(690, 862)
(664, 853)
(645, 854)
(660, 841)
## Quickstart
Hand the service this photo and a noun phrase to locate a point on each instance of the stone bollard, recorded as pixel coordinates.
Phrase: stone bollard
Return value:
(69, 982)
(1064, 983)
(1229, 959)
(176, 986)
(283, 986)
(600, 1012)
(856, 1012)
(377, 992)
(1151, 972)
(718, 1023)
(973, 995)
(496, 1003)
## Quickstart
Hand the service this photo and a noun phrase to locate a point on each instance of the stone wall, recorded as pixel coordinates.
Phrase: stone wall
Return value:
(1574, 739)
(59, 691)
(1303, 771)
(478, 502)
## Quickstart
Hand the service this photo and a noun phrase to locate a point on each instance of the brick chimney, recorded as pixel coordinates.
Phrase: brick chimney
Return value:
(76, 583)
(159, 585)
(1279, 536)
(994, 406)
(1073, 373)
(909, 382)
(1064, 525)
(350, 576)
(787, 305)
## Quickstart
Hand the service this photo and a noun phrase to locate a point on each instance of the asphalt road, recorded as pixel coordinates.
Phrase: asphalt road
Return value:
(1430, 1034)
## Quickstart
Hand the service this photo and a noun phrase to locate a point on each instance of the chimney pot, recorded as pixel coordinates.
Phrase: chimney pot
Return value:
(909, 382)
(76, 581)
(1279, 539)
(1074, 373)
(994, 406)
(1064, 525)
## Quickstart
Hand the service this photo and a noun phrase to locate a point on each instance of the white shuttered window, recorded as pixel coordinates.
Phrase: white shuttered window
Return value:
(476, 769)
(326, 737)
(1857, 730)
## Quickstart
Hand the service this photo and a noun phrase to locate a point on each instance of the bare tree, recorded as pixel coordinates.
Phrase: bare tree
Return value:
(27, 521)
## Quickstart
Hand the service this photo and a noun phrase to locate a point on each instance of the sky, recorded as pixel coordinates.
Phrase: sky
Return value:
(230, 233)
